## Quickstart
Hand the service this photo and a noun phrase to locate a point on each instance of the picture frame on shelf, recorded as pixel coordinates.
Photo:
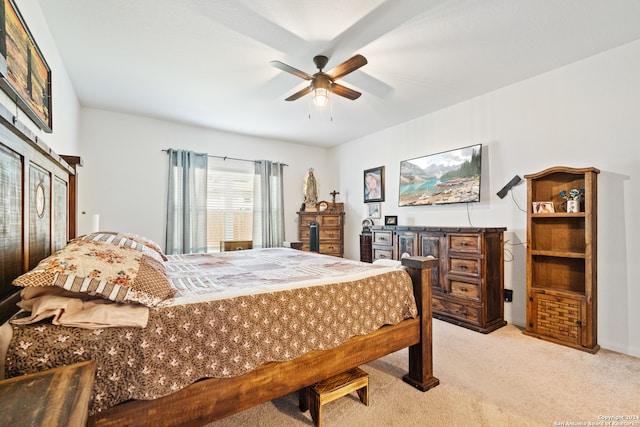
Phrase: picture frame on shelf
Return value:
(543, 207)
(374, 185)
(373, 210)
(390, 220)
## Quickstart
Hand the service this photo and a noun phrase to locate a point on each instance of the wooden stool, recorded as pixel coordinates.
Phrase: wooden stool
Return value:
(325, 391)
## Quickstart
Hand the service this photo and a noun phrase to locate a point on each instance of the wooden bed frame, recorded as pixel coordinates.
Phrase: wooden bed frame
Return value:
(212, 399)
(209, 399)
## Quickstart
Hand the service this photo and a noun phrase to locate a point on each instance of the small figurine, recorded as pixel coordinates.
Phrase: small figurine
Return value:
(310, 191)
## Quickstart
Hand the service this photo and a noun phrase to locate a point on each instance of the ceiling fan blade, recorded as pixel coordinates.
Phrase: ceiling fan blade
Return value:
(347, 66)
(299, 94)
(290, 69)
(344, 91)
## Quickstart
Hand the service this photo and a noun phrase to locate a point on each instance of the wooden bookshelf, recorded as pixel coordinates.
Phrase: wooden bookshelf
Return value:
(562, 259)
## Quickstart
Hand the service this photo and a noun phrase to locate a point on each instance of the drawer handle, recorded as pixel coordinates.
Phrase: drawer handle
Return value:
(383, 256)
(464, 289)
(463, 267)
(383, 239)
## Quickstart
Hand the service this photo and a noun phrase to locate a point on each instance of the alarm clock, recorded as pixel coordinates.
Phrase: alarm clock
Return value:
(367, 223)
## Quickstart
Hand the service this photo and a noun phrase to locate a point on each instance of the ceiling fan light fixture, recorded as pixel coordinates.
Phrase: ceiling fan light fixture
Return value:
(321, 83)
(320, 97)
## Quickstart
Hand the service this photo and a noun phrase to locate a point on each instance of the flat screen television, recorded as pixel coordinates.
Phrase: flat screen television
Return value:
(437, 179)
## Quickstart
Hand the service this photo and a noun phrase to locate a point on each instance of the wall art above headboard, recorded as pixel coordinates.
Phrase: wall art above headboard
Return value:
(24, 73)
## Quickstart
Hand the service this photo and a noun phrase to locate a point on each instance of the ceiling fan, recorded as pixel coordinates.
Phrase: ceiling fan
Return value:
(324, 83)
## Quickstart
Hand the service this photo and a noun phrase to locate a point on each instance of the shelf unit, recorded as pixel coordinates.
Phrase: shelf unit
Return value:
(562, 259)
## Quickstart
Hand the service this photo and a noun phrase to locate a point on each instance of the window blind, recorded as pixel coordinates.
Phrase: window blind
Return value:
(230, 202)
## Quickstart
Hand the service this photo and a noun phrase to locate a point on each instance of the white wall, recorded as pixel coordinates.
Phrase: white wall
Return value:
(124, 178)
(585, 114)
(65, 108)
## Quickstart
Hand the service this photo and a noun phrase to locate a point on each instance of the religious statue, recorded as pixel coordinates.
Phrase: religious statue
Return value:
(310, 191)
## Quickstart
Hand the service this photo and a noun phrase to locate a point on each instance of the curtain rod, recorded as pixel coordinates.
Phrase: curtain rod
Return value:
(229, 158)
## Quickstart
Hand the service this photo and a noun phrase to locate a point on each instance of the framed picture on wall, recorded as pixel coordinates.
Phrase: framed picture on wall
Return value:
(374, 185)
(374, 210)
(24, 73)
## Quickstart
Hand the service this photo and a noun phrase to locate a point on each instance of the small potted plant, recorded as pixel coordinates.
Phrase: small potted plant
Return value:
(573, 198)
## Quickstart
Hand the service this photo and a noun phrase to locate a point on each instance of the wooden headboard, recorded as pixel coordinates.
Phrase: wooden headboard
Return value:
(37, 204)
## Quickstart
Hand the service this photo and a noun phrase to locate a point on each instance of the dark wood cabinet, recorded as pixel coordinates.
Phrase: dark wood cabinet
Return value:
(562, 259)
(468, 285)
(365, 248)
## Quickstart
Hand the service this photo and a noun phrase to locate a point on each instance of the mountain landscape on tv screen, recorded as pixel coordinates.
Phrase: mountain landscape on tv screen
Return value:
(448, 177)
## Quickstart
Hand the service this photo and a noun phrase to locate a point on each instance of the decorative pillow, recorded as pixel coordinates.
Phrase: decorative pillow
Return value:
(147, 242)
(118, 273)
(134, 241)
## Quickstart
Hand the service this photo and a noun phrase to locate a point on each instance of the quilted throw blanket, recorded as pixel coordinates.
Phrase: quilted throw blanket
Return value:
(232, 312)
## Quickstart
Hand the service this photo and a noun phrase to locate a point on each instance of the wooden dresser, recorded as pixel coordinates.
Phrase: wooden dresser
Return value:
(468, 286)
(330, 229)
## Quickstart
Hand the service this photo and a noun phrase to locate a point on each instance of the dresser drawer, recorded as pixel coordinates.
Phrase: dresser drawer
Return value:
(469, 267)
(330, 248)
(325, 233)
(382, 237)
(464, 289)
(382, 253)
(467, 312)
(330, 220)
(465, 243)
(306, 220)
(330, 234)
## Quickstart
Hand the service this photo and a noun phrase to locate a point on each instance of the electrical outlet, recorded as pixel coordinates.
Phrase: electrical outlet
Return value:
(508, 295)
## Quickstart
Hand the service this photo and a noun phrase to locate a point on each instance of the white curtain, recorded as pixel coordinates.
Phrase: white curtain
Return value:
(269, 204)
(187, 202)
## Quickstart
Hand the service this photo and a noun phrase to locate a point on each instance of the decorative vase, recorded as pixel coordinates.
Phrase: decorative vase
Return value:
(573, 205)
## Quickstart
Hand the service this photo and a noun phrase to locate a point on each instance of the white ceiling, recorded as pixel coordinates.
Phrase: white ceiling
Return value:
(206, 62)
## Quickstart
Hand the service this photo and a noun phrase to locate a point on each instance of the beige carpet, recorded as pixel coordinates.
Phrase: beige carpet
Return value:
(501, 379)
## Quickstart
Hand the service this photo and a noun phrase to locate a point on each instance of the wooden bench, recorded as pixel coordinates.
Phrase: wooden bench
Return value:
(325, 391)
(235, 245)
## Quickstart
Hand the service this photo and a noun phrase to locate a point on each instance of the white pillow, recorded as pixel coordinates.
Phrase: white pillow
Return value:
(388, 263)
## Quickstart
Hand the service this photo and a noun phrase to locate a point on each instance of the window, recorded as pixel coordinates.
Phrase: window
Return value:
(230, 201)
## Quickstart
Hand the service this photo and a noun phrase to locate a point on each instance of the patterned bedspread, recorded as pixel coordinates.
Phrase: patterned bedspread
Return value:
(233, 311)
